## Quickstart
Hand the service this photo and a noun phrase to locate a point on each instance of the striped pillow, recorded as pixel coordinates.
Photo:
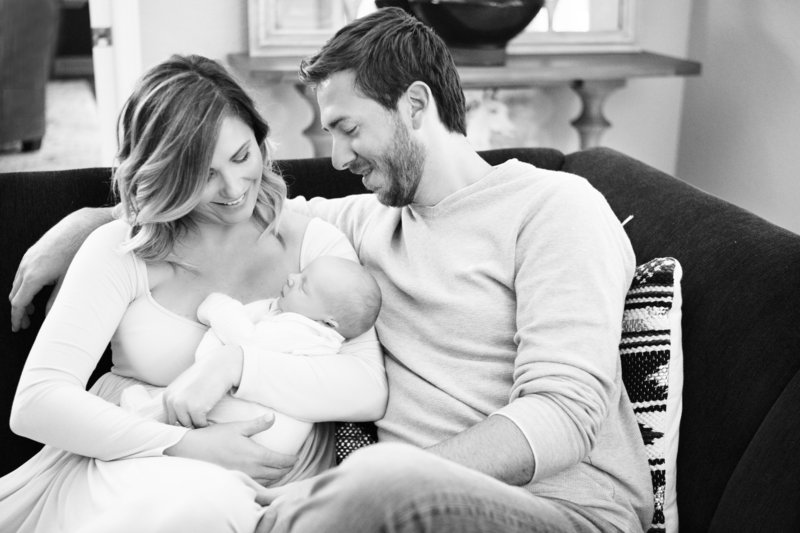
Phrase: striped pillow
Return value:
(652, 370)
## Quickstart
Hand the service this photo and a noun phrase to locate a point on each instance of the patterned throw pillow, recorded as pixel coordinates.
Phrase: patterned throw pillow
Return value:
(351, 436)
(652, 370)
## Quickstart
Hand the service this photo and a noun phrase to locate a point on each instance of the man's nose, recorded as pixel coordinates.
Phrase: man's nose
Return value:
(341, 154)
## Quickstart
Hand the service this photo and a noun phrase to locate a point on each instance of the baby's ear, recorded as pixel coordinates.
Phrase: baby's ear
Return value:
(331, 323)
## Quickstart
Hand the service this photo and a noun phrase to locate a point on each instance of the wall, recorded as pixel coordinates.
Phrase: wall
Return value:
(217, 28)
(212, 28)
(731, 131)
(646, 114)
(740, 137)
(147, 32)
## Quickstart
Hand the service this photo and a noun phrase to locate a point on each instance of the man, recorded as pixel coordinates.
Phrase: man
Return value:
(503, 291)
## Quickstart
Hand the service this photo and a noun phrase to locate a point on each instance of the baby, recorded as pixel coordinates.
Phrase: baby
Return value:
(331, 300)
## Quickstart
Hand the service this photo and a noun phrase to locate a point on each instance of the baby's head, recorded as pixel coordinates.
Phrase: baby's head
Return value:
(334, 291)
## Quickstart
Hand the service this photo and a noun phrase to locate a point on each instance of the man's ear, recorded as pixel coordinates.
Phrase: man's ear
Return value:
(420, 99)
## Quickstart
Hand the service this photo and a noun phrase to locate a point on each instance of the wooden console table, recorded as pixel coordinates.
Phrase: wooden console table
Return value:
(593, 76)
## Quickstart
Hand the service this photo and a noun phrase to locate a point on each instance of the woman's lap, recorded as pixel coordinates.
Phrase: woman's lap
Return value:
(163, 494)
(151, 494)
(60, 491)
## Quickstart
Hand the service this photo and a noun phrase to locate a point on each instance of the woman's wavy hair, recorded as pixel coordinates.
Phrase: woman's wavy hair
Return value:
(167, 132)
(388, 50)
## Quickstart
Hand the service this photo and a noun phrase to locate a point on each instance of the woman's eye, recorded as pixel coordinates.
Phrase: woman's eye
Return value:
(243, 158)
(351, 131)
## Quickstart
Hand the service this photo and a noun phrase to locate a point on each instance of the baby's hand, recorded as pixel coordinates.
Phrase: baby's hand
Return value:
(215, 299)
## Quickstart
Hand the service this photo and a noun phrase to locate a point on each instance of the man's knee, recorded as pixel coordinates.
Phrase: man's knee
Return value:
(390, 472)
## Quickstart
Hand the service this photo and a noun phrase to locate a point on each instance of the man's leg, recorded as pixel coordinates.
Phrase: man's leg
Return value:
(398, 488)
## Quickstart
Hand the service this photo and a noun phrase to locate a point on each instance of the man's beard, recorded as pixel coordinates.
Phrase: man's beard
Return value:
(403, 167)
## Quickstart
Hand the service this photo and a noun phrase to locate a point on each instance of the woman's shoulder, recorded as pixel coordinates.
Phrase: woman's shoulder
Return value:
(306, 228)
(102, 254)
(322, 229)
(109, 235)
(293, 224)
(323, 238)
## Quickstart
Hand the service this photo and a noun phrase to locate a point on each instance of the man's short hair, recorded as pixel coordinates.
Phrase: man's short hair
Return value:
(388, 50)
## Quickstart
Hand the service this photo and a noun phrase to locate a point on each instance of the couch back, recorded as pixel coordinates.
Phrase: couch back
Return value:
(737, 469)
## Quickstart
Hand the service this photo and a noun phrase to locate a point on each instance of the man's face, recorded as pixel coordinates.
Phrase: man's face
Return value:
(371, 141)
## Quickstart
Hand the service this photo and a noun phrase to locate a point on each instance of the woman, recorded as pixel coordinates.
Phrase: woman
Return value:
(202, 213)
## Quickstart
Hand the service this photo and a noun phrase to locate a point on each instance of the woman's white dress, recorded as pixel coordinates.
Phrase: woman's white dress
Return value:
(103, 468)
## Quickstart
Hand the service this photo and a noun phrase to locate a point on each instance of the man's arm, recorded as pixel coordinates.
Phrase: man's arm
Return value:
(46, 262)
(510, 460)
(564, 376)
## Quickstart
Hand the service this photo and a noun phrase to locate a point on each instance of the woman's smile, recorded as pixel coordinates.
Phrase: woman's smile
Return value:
(233, 203)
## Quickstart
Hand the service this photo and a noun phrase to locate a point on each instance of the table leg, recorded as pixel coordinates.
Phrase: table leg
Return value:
(320, 139)
(591, 123)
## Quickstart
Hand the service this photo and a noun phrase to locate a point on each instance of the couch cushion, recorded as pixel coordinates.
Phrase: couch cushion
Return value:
(741, 342)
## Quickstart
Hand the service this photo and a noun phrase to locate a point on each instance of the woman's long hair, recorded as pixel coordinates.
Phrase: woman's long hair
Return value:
(167, 131)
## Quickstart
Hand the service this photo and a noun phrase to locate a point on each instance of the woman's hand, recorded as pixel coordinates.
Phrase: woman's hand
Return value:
(229, 445)
(189, 398)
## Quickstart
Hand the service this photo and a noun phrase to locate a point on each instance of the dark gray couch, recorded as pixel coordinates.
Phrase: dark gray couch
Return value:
(738, 466)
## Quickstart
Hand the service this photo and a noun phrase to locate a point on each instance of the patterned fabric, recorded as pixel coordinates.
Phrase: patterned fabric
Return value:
(648, 342)
(351, 436)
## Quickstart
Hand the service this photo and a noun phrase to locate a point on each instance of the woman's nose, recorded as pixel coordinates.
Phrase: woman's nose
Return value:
(232, 186)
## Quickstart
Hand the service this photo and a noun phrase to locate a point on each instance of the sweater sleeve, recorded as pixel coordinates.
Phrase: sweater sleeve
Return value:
(346, 386)
(574, 265)
(52, 404)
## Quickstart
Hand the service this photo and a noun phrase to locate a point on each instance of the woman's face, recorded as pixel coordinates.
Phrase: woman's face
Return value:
(234, 178)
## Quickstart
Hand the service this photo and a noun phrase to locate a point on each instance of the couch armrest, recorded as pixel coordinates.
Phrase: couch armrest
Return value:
(741, 340)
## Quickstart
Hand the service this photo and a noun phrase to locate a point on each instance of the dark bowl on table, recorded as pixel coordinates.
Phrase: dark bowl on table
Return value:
(477, 31)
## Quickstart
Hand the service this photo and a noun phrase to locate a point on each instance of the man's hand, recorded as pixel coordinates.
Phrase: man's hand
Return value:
(46, 262)
(190, 396)
(40, 266)
(272, 498)
(230, 446)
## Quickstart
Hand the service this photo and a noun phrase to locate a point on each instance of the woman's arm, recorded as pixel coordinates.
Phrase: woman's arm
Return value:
(52, 405)
(46, 262)
(347, 386)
